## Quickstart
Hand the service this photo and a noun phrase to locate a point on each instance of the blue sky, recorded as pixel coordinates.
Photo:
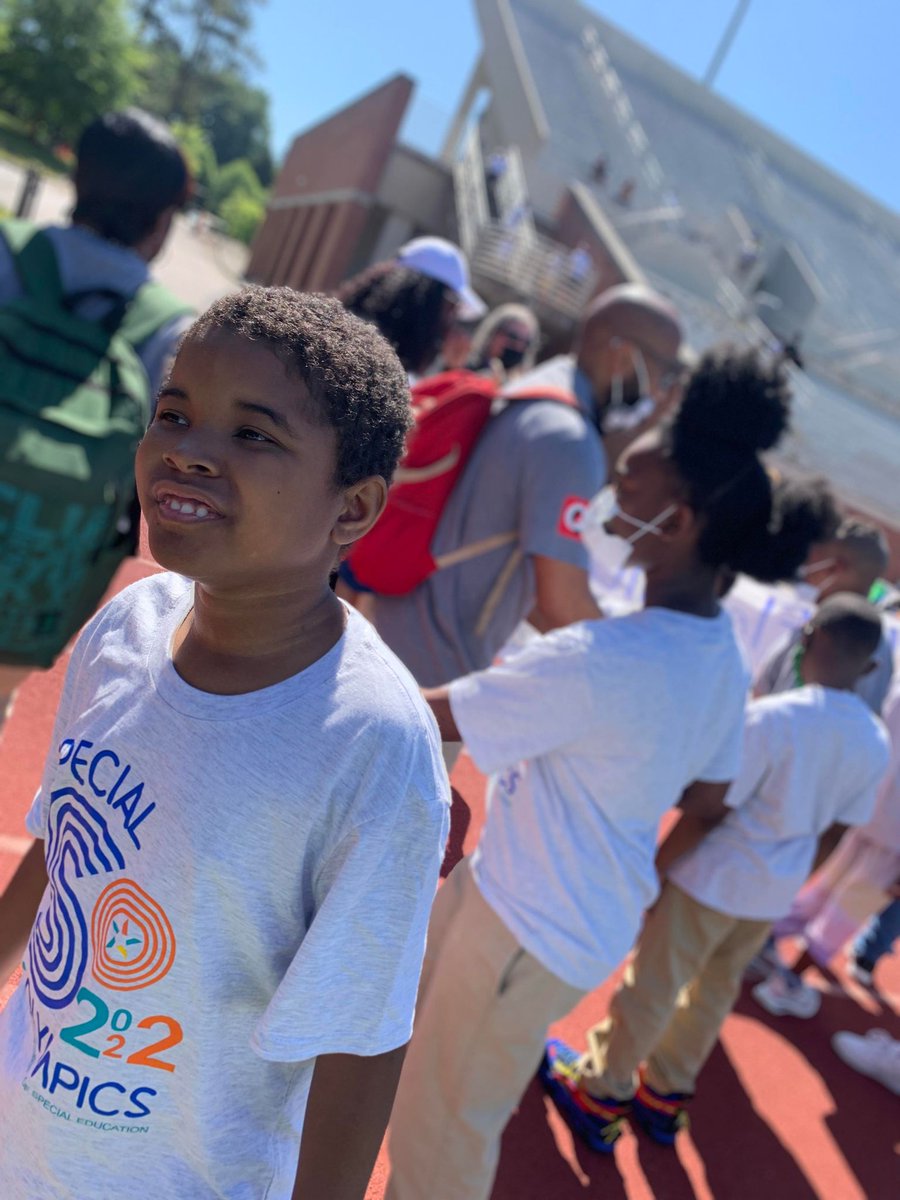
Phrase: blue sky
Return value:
(823, 73)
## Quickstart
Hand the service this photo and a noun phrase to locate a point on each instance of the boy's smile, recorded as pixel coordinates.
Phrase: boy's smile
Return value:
(236, 475)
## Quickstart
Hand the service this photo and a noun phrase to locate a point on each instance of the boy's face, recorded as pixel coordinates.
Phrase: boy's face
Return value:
(235, 479)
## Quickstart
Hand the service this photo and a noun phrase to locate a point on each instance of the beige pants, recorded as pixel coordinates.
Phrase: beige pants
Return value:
(482, 1017)
(11, 679)
(678, 989)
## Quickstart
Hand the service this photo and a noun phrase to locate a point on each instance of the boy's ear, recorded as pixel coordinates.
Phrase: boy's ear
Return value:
(363, 504)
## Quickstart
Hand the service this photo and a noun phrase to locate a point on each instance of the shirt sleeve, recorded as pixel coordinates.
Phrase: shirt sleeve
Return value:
(530, 704)
(878, 788)
(562, 467)
(756, 753)
(360, 960)
(725, 761)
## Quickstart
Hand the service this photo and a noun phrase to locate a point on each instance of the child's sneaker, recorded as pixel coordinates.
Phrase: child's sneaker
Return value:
(876, 1055)
(596, 1122)
(659, 1114)
(785, 994)
(861, 970)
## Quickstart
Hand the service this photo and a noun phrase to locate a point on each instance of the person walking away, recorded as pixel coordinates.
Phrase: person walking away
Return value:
(85, 337)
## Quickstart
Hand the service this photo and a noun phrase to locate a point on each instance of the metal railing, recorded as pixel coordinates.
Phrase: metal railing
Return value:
(533, 267)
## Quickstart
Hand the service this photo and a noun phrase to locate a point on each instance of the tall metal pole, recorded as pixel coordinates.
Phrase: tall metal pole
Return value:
(724, 46)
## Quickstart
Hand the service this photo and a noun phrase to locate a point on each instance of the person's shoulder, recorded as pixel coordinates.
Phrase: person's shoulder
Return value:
(381, 683)
(148, 599)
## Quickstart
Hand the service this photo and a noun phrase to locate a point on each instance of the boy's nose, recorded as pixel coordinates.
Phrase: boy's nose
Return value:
(191, 458)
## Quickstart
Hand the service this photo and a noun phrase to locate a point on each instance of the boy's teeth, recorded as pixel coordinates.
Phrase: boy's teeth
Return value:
(187, 506)
(202, 510)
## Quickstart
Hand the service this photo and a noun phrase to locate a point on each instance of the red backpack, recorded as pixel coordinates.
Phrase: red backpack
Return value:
(450, 412)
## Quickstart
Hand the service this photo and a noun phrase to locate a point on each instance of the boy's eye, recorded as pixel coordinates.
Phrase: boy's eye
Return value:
(170, 416)
(253, 435)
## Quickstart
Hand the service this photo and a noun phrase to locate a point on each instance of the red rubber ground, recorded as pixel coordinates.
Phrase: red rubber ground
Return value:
(777, 1117)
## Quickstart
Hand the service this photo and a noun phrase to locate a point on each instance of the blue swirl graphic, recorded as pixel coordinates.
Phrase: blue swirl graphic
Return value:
(78, 843)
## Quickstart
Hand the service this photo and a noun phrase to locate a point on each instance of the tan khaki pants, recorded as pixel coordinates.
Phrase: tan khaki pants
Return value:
(11, 678)
(678, 988)
(482, 1017)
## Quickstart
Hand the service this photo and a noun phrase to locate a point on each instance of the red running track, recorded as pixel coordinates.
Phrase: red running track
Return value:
(777, 1116)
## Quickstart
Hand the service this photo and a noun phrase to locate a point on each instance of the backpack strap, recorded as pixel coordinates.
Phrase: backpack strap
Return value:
(34, 259)
(151, 307)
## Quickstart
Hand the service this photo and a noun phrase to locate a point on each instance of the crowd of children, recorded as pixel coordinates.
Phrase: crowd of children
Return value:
(242, 816)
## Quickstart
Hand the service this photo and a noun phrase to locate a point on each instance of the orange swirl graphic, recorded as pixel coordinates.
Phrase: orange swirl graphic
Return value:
(132, 942)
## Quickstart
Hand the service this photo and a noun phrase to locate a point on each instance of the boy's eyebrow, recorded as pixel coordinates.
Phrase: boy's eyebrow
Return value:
(278, 419)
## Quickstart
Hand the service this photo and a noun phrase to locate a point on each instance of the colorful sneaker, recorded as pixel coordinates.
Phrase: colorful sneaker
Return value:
(784, 994)
(660, 1114)
(597, 1122)
(876, 1055)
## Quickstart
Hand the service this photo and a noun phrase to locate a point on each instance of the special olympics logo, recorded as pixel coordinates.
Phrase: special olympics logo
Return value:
(132, 942)
(571, 517)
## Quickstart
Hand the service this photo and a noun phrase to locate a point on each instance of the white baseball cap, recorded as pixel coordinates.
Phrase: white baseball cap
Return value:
(441, 260)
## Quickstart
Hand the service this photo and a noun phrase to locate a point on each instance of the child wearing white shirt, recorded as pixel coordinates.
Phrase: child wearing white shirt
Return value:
(590, 734)
(855, 882)
(813, 758)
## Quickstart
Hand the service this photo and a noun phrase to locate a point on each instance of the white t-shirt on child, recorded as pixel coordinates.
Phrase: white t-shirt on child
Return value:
(812, 757)
(592, 732)
(238, 884)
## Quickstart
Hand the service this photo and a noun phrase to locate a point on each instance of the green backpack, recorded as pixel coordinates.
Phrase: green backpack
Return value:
(74, 403)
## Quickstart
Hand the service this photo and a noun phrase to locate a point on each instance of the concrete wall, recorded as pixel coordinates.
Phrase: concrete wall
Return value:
(420, 189)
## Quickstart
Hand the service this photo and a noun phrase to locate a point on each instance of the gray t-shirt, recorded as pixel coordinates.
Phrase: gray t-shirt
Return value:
(237, 885)
(87, 263)
(778, 674)
(533, 471)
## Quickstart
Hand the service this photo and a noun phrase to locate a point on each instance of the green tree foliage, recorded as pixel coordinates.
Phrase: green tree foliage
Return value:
(200, 155)
(242, 214)
(236, 117)
(64, 61)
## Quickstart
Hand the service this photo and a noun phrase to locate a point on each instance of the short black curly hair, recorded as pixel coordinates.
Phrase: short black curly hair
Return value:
(407, 307)
(354, 378)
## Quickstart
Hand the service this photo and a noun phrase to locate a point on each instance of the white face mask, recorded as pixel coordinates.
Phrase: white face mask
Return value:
(808, 593)
(607, 550)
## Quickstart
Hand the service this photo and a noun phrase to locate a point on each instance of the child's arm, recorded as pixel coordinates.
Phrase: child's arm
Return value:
(349, 1104)
(438, 700)
(18, 908)
(827, 844)
(702, 808)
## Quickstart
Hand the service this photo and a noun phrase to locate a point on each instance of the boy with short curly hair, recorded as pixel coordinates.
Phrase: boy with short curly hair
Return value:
(244, 816)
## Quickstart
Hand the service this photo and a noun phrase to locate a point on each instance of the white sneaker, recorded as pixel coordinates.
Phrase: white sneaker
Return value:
(785, 994)
(876, 1055)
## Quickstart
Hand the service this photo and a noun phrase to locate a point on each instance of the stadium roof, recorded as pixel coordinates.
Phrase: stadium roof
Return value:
(568, 87)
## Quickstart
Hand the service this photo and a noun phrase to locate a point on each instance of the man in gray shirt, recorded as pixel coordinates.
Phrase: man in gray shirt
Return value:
(530, 477)
(855, 557)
